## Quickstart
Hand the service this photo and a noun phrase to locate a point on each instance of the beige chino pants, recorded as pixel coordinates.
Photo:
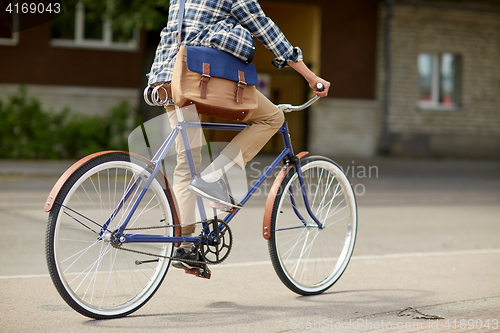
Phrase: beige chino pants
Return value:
(262, 125)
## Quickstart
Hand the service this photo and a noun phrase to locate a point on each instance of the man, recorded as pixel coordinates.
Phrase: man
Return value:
(230, 26)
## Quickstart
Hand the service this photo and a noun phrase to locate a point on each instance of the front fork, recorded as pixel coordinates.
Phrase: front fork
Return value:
(295, 162)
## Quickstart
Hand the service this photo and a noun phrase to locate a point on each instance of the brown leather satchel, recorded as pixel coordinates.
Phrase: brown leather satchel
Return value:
(218, 83)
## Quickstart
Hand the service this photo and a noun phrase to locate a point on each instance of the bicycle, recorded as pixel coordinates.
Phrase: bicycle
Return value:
(113, 223)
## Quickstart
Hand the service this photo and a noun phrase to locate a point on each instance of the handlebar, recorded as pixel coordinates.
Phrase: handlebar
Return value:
(152, 98)
(291, 108)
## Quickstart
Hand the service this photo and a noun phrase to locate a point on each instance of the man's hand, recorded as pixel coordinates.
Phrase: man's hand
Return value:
(324, 91)
(311, 78)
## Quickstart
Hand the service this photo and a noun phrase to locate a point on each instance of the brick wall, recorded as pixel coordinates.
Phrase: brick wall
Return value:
(344, 127)
(33, 60)
(474, 129)
(85, 100)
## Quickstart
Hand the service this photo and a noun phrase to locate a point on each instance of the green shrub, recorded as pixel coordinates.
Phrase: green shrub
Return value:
(29, 132)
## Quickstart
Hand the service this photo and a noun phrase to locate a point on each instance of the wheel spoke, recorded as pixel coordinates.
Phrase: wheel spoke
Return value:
(80, 253)
(109, 277)
(290, 251)
(329, 203)
(310, 247)
(301, 254)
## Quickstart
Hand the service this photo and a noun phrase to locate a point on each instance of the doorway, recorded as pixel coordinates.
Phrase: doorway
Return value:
(301, 24)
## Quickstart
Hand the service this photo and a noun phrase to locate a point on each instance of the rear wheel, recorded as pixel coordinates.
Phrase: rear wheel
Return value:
(94, 277)
(309, 259)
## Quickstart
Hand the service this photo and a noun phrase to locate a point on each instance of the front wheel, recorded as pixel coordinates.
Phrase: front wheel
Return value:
(93, 274)
(309, 259)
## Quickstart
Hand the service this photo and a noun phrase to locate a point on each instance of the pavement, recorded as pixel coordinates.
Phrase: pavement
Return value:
(427, 258)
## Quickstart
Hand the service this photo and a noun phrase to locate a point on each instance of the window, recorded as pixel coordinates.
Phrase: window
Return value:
(8, 24)
(85, 28)
(439, 81)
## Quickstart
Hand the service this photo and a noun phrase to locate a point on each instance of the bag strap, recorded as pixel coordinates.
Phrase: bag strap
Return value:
(182, 5)
(205, 77)
(240, 87)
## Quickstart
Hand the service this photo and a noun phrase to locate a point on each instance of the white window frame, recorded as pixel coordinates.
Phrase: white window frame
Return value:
(106, 43)
(14, 40)
(434, 104)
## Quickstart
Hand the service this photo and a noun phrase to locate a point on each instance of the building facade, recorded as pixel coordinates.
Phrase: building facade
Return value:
(422, 81)
(445, 78)
(64, 63)
(443, 62)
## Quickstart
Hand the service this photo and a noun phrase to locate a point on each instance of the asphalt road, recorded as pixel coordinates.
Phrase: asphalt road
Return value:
(428, 238)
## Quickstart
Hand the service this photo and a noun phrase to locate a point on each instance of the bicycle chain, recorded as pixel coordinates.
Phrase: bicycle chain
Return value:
(119, 246)
(168, 226)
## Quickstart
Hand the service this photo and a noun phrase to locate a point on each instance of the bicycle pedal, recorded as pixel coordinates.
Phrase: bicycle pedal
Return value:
(222, 207)
(199, 272)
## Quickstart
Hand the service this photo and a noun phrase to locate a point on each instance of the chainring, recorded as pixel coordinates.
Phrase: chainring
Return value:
(214, 250)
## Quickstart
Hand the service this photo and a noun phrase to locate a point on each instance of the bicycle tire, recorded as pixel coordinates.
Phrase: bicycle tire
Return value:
(307, 259)
(93, 277)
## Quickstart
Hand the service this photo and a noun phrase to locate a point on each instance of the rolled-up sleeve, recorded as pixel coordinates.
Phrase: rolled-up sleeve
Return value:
(251, 16)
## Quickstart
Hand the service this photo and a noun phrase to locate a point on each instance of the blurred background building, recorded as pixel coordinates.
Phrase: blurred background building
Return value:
(409, 77)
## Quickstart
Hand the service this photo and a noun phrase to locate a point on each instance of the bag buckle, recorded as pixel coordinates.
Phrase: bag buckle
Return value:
(239, 88)
(203, 84)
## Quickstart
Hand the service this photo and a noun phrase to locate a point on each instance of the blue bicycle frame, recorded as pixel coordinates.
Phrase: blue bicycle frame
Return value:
(181, 129)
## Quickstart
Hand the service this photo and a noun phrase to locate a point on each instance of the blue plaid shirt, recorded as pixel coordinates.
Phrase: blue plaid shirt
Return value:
(227, 25)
